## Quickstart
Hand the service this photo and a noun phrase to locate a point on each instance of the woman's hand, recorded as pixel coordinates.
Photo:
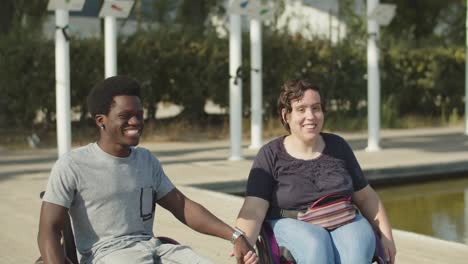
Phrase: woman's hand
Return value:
(389, 249)
(250, 258)
(244, 252)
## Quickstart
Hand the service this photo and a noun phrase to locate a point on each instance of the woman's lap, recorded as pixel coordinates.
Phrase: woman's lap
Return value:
(309, 243)
(354, 242)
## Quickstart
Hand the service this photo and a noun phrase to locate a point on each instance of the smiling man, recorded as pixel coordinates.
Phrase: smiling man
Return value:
(110, 188)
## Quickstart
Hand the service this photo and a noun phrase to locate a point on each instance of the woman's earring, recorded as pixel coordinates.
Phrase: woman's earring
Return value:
(102, 126)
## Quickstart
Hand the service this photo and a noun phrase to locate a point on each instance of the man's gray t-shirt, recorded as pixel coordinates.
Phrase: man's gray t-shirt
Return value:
(294, 184)
(110, 199)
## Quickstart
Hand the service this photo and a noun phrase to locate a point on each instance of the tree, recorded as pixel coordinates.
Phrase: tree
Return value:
(427, 22)
(22, 15)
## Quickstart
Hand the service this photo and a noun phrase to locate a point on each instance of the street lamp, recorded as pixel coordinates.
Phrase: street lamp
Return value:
(377, 14)
(62, 70)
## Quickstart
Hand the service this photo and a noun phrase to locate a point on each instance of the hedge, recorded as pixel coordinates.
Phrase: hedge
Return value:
(187, 70)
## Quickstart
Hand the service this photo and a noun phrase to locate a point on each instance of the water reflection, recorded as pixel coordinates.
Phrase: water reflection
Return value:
(438, 209)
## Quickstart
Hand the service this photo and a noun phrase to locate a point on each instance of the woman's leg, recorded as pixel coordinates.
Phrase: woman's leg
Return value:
(354, 243)
(307, 243)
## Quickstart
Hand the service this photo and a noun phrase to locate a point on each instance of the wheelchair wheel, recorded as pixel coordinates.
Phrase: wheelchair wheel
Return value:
(263, 249)
(268, 251)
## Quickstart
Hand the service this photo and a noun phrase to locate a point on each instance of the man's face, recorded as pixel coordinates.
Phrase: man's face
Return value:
(123, 125)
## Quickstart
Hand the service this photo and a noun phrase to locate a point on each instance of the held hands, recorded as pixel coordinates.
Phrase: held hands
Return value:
(389, 249)
(244, 252)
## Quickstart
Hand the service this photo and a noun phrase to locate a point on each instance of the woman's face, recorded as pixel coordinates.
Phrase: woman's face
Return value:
(306, 118)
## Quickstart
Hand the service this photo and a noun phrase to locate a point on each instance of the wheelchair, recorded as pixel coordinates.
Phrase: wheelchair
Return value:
(69, 247)
(269, 252)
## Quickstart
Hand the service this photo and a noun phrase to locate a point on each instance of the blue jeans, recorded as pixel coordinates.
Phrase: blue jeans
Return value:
(353, 243)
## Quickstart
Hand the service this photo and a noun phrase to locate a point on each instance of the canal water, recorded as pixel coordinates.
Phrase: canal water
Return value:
(438, 209)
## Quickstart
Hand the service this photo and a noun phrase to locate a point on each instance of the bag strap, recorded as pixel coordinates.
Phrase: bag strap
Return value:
(276, 212)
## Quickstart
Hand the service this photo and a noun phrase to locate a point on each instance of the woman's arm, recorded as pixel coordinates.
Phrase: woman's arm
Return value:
(373, 210)
(251, 217)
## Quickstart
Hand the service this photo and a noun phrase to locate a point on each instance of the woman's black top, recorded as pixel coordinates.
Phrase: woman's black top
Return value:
(294, 184)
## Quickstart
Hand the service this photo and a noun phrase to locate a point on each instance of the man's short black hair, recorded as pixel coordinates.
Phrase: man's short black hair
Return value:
(101, 97)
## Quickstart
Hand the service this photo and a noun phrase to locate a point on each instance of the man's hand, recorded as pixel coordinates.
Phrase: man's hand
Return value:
(244, 252)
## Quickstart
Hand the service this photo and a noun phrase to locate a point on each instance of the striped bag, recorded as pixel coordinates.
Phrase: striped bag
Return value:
(330, 211)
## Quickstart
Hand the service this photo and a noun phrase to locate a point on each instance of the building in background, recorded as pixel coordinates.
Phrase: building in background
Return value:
(316, 18)
(304, 18)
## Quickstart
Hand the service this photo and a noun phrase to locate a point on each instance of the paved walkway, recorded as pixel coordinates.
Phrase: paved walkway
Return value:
(23, 174)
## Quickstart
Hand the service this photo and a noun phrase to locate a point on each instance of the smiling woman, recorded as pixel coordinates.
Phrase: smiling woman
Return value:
(305, 122)
(294, 171)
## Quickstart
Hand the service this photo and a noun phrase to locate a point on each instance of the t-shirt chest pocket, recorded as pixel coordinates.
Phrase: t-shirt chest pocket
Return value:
(147, 203)
(145, 193)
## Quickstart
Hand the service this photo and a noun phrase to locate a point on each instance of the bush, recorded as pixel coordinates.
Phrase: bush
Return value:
(187, 69)
(26, 79)
(426, 82)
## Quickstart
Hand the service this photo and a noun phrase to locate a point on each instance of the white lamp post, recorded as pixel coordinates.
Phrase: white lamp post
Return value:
(256, 83)
(62, 83)
(111, 10)
(257, 12)
(110, 46)
(377, 14)
(62, 70)
(235, 87)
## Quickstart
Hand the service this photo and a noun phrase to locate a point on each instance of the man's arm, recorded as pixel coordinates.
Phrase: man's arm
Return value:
(200, 219)
(51, 224)
(194, 215)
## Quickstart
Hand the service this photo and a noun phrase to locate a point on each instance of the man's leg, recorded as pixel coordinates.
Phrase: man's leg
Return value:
(307, 243)
(138, 253)
(176, 254)
(354, 243)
